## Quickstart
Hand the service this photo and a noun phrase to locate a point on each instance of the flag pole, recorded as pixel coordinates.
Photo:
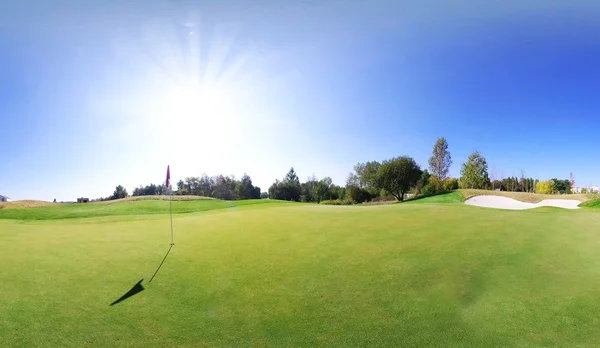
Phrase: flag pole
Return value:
(168, 184)
(171, 212)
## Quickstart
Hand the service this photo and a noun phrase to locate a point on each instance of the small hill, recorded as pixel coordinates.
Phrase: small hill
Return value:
(156, 198)
(127, 207)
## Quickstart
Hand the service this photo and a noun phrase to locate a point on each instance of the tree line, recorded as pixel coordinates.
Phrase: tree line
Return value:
(390, 179)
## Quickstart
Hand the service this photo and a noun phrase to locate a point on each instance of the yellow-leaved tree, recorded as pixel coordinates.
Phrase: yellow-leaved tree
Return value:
(546, 187)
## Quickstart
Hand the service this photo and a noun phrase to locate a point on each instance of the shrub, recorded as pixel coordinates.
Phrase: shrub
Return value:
(337, 202)
(584, 190)
(357, 194)
(429, 189)
(435, 182)
(450, 184)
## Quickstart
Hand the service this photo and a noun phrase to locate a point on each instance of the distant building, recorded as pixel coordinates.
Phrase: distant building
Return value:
(83, 200)
(575, 189)
(594, 189)
(4, 199)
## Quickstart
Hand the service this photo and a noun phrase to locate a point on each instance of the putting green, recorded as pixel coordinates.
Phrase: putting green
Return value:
(283, 274)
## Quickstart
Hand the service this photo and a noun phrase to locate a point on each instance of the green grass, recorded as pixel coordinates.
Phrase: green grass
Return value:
(292, 275)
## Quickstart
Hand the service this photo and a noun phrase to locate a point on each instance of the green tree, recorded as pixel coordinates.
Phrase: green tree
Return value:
(120, 192)
(224, 188)
(323, 189)
(440, 162)
(397, 175)
(561, 186)
(245, 189)
(422, 182)
(366, 174)
(204, 186)
(288, 190)
(498, 185)
(474, 173)
(308, 189)
(546, 187)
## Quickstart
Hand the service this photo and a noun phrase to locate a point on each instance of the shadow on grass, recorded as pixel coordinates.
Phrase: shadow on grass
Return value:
(163, 261)
(137, 288)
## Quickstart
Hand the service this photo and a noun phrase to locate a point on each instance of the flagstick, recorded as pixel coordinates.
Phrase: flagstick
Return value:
(171, 211)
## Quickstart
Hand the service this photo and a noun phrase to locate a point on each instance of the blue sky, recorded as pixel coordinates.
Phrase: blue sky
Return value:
(99, 93)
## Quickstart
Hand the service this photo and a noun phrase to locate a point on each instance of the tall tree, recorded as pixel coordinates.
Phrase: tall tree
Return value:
(367, 176)
(288, 190)
(120, 192)
(308, 189)
(397, 175)
(323, 189)
(561, 186)
(440, 161)
(245, 190)
(474, 172)
(571, 181)
(493, 177)
(423, 181)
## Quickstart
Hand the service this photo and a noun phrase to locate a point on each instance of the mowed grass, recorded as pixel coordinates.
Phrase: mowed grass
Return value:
(291, 275)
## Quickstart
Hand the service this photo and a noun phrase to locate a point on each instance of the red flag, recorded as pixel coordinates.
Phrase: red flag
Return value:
(168, 176)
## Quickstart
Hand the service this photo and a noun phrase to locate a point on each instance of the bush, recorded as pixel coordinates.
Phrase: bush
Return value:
(384, 197)
(357, 194)
(451, 184)
(337, 202)
(429, 189)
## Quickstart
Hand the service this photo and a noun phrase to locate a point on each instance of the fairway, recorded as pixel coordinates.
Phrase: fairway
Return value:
(437, 273)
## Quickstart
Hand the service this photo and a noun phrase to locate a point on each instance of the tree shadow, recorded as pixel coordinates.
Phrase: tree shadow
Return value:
(137, 288)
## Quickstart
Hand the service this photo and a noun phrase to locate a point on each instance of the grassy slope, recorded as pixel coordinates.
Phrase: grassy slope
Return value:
(298, 275)
(450, 197)
(125, 208)
(594, 203)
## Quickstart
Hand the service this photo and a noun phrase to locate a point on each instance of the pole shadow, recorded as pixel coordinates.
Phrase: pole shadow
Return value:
(137, 288)
(163, 261)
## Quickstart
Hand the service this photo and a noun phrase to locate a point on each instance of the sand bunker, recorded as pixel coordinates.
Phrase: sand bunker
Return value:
(512, 204)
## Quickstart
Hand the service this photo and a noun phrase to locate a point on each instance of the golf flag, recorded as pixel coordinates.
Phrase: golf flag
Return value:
(168, 176)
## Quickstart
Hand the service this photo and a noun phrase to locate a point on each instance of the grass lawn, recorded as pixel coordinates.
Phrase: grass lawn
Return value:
(282, 274)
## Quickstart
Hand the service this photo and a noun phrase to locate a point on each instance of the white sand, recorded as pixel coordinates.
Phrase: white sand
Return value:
(509, 203)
